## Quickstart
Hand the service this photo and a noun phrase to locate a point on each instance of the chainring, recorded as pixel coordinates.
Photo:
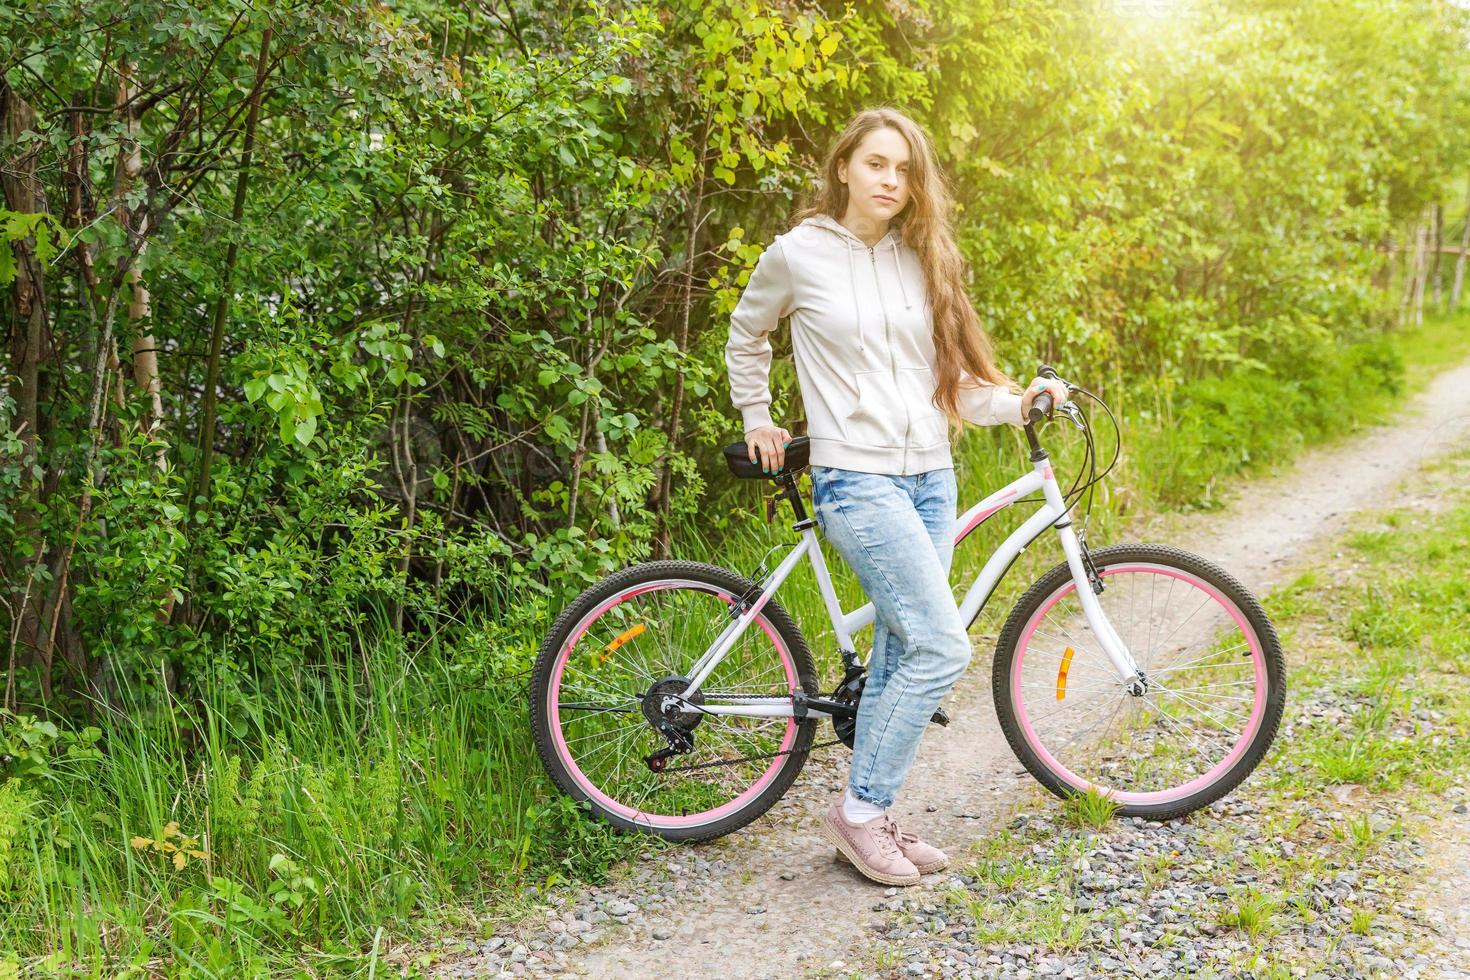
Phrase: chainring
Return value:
(850, 692)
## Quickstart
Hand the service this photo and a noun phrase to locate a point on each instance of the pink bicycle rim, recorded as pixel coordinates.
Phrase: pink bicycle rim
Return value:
(627, 812)
(1258, 708)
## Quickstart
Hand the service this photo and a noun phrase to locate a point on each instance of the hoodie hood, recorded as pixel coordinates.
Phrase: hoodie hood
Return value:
(853, 243)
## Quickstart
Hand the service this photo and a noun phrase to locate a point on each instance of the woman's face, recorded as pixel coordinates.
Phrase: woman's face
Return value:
(877, 177)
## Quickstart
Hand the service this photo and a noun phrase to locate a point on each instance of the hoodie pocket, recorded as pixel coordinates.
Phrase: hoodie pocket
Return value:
(926, 421)
(878, 418)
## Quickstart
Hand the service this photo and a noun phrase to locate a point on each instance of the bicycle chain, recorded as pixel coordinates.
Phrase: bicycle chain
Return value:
(750, 758)
(747, 758)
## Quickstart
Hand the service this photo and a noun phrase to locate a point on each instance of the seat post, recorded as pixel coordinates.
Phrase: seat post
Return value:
(787, 483)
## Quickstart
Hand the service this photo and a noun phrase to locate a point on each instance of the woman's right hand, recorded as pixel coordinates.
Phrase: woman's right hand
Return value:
(770, 441)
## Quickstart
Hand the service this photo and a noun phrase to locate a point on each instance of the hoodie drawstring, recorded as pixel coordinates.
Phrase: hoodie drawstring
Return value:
(857, 310)
(893, 243)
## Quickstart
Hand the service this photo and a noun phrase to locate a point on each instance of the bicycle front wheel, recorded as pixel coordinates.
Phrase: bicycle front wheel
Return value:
(1196, 720)
(605, 701)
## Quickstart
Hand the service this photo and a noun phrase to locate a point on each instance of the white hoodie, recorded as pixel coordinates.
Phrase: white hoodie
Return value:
(862, 335)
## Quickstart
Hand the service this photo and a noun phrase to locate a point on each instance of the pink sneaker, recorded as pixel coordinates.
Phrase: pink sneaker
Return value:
(926, 857)
(872, 847)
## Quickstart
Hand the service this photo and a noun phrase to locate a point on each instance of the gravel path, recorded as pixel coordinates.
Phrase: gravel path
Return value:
(770, 901)
(1445, 893)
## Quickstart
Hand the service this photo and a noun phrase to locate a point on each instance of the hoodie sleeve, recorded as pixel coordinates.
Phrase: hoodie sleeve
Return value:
(768, 297)
(988, 404)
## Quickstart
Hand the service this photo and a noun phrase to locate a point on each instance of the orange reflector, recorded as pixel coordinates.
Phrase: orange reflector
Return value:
(621, 638)
(1062, 674)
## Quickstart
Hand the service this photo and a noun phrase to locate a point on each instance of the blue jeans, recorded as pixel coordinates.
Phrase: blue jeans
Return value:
(897, 534)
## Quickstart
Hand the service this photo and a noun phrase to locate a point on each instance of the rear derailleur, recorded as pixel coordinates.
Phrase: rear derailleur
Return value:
(666, 709)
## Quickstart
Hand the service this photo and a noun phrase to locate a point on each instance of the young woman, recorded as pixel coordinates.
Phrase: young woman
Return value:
(889, 355)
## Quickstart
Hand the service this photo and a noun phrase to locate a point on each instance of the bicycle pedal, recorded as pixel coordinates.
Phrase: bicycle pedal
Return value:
(940, 718)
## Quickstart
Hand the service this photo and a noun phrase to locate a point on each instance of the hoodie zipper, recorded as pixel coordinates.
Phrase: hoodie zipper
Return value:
(892, 365)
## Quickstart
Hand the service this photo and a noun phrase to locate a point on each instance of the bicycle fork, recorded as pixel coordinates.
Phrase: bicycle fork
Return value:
(1082, 575)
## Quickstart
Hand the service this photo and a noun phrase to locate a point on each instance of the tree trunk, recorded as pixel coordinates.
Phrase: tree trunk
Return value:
(1406, 264)
(222, 304)
(140, 304)
(1460, 259)
(1438, 249)
(662, 543)
(1383, 275)
(1413, 259)
(1421, 274)
(24, 193)
(408, 482)
(612, 501)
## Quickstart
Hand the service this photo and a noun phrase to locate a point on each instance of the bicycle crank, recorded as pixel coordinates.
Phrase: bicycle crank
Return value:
(848, 694)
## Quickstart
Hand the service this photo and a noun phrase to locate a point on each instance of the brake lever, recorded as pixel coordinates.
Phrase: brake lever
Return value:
(1072, 412)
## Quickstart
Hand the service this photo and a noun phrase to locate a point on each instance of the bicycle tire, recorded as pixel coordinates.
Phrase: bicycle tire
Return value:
(567, 629)
(1264, 654)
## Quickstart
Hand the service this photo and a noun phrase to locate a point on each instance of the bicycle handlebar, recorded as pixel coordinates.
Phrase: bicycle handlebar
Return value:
(1042, 404)
(1041, 407)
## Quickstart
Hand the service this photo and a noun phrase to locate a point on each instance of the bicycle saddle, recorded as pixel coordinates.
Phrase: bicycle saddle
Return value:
(738, 456)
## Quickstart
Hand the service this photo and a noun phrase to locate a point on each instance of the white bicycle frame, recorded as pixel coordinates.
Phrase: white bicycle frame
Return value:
(1053, 513)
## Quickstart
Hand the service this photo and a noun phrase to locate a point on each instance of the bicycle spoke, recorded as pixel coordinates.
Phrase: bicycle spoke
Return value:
(1117, 706)
(1167, 596)
(1036, 722)
(1202, 658)
(1202, 604)
(1192, 732)
(1198, 690)
(1199, 707)
(1103, 663)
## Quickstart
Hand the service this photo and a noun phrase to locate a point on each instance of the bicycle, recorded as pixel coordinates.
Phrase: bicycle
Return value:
(657, 706)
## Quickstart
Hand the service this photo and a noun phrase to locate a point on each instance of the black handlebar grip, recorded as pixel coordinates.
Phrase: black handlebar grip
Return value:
(1041, 407)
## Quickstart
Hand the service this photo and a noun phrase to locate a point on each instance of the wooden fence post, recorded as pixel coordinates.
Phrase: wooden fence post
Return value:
(1438, 250)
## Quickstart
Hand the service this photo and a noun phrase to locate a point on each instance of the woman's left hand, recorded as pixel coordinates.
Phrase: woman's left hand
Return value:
(1036, 387)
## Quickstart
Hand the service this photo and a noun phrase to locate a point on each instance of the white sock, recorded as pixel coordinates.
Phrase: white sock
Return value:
(859, 811)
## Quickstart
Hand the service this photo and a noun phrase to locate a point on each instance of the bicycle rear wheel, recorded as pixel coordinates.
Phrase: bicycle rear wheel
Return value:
(1209, 697)
(601, 685)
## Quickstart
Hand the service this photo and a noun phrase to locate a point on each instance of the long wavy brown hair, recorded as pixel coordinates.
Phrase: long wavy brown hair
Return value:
(960, 342)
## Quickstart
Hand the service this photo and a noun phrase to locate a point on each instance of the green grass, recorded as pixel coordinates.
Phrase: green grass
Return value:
(1253, 913)
(1052, 922)
(1090, 810)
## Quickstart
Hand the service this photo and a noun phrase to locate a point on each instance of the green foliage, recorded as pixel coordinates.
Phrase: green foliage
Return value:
(35, 750)
(1252, 912)
(40, 229)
